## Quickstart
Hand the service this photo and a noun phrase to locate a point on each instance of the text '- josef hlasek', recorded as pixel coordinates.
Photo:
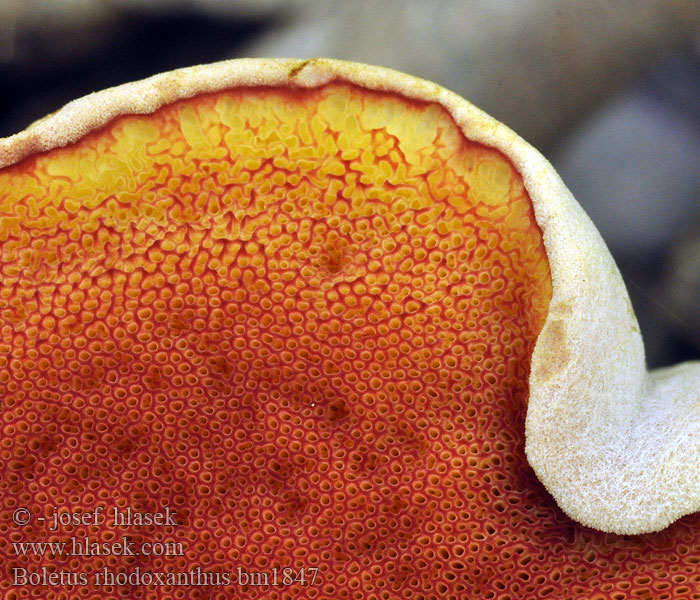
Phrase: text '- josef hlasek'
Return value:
(126, 517)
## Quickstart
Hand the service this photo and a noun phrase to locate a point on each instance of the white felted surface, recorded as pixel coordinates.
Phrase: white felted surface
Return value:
(617, 447)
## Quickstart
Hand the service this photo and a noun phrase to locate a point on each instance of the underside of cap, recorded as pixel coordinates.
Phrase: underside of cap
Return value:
(617, 447)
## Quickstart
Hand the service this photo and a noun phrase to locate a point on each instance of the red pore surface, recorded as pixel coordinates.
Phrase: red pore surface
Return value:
(301, 321)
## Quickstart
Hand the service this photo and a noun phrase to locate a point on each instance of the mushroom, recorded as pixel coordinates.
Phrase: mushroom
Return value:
(325, 313)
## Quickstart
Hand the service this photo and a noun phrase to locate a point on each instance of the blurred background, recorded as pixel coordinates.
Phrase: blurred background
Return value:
(608, 91)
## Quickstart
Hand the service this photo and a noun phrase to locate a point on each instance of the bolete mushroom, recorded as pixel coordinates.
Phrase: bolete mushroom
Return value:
(306, 307)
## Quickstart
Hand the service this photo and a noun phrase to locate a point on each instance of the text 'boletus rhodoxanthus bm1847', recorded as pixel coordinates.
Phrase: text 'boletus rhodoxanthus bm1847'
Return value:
(339, 322)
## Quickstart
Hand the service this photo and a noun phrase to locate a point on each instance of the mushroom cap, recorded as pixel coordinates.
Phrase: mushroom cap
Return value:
(615, 446)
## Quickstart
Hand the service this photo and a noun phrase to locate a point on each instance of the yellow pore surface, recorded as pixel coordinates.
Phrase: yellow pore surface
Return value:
(302, 319)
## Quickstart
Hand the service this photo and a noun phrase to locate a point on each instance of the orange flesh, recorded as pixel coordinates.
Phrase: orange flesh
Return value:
(302, 319)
